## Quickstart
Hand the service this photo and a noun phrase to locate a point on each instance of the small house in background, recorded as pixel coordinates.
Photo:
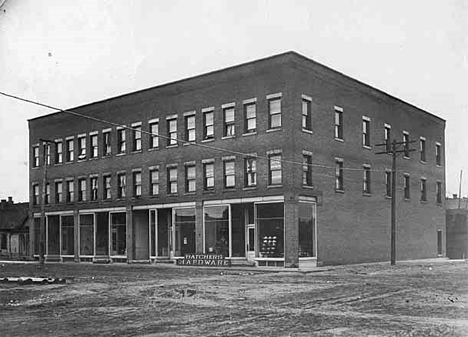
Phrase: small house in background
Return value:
(14, 230)
(457, 227)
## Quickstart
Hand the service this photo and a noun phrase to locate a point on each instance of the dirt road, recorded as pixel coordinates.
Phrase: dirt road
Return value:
(410, 299)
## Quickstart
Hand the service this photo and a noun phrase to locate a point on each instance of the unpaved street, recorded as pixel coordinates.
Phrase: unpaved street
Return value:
(410, 299)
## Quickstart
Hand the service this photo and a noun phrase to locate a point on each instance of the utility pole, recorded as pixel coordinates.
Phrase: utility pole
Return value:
(393, 149)
(42, 239)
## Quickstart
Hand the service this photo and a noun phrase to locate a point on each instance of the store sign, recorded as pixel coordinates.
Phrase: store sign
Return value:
(208, 260)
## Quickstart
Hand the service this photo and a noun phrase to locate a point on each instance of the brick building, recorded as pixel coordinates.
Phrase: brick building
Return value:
(271, 162)
(14, 229)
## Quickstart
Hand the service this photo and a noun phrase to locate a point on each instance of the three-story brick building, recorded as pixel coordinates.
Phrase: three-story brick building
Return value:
(272, 161)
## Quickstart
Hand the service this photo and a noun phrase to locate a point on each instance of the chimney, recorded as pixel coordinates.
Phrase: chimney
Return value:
(10, 200)
(455, 196)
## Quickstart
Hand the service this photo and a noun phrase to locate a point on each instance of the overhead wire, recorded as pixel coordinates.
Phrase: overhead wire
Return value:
(247, 155)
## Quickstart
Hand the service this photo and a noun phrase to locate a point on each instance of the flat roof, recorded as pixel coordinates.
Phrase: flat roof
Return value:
(265, 59)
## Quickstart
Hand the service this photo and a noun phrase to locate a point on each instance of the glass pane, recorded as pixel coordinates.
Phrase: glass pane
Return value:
(153, 233)
(238, 230)
(275, 121)
(275, 163)
(270, 224)
(190, 122)
(250, 111)
(102, 233)
(164, 220)
(68, 237)
(209, 118)
(86, 234)
(172, 125)
(118, 234)
(53, 235)
(251, 124)
(275, 177)
(229, 115)
(191, 172)
(217, 230)
(184, 231)
(306, 229)
(275, 106)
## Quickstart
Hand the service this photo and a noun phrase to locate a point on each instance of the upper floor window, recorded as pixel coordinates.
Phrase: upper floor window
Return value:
(81, 148)
(82, 189)
(208, 176)
(94, 188)
(229, 123)
(107, 190)
(58, 152)
(172, 132)
(366, 132)
(93, 139)
(338, 123)
(190, 134)
(250, 172)
(121, 185)
(339, 186)
(406, 143)
(121, 141)
(388, 183)
(70, 191)
(307, 169)
(106, 143)
(422, 148)
(407, 186)
(423, 189)
(35, 188)
(438, 150)
(274, 112)
(172, 180)
(275, 172)
(58, 192)
(70, 150)
(47, 194)
(154, 137)
(229, 173)
(36, 159)
(136, 137)
(250, 113)
(47, 154)
(190, 178)
(208, 125)
(387, 137)
(137, 184)
(154, 181)
(439, 192)
(306, 113)
(366, 181)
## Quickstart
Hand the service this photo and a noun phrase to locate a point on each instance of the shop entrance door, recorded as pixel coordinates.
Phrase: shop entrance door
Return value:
(250, 242)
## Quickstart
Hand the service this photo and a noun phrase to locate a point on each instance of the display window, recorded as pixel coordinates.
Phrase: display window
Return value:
(270, 229)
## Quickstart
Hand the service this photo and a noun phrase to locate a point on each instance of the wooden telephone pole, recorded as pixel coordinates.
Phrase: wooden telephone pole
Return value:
(393, 148)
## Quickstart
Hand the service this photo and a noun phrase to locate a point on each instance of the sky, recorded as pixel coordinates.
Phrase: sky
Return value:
(69, 53)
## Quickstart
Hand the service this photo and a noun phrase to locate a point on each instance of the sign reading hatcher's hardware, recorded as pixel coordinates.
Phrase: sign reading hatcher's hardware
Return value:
(210, 260)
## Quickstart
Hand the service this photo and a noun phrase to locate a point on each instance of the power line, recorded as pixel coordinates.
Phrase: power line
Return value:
(182, 140)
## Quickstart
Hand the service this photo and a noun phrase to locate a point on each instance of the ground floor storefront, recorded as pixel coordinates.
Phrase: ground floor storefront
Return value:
(262, 231)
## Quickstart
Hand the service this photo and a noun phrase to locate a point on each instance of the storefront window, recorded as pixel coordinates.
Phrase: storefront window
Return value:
(217, 230)
(102, 233)
(53, 235)
(306, 229)
(164, 220)
(239, 217)
(184, 231)
(68, 239)
(119, 233)
(270, 225)
(153, 233)
(87, 234)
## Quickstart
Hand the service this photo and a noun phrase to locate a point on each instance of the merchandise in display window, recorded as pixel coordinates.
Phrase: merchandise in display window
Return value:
(270, 224)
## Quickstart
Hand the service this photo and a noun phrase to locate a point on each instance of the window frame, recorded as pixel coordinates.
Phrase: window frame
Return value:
(250, 170)
(422, 149)
(136, 138)
(366, 181)
(406, 142)
(106, 143)
(226, 176)
(190, 132)
(208, 135)
(58, 192)
(154, 182)
(82, 150)
(306, 121)
(82, 189)
(172, 180)
(70, 196)
(388, 137)
(35, 190)
(94, 188)
(137, 186)
(406, 186)
(107, 187)
(171, 135)
(229, 126)
(121, 141)
(439, 192)
(93, 148)
(121, 185)
(246, 106)
(208, 177)
(366, 130)
(307, 169)
(339, 175)
(272, 115)
(36, 156)
(70, 157)
(438, 154)
(423, 189)
(153, 127)
(275, 165)
(189, 178)
(58, 152)
(338, 122)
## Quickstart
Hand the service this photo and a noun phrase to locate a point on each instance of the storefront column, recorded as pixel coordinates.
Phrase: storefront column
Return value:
(130, 244)
(32, 236)
(76, 235)
(291, 231)
(199, 226)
